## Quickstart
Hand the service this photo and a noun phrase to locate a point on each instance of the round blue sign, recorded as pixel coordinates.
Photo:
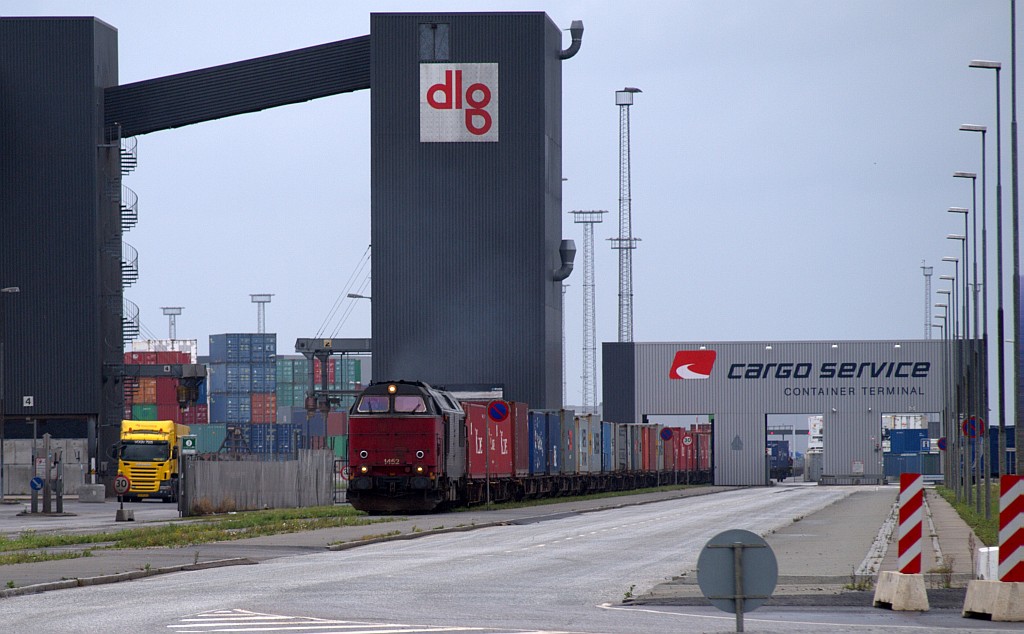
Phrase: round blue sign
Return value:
(666, 434)
(497, 411)
(942, 443)
(36, 483)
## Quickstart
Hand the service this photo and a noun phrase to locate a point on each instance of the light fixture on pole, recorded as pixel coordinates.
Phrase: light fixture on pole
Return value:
(357, 296)
(948, 424)
(7, 290)
(1000, 347)
(1000, 337)
(949, 319)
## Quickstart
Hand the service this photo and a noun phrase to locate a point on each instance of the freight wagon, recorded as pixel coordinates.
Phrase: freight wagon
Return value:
(412, 447)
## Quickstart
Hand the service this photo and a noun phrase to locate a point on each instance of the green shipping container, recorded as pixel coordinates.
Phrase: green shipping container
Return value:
(144, 412)
(209, 437)
(340, 446)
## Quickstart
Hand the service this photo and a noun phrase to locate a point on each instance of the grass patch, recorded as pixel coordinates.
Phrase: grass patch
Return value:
(987, 530)
(34, 557)
(204, 530)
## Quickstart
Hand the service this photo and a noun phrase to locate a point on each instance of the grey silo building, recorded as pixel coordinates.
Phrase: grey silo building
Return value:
(466, 221)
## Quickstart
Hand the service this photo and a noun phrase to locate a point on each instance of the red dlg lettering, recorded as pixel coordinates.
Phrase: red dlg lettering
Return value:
(448, 96)
(478, 108)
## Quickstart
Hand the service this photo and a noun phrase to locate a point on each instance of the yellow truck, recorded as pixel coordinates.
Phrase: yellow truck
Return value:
(147, 455)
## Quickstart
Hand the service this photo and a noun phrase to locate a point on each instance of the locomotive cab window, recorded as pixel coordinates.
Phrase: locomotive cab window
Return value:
(410, 404)
(373, 404)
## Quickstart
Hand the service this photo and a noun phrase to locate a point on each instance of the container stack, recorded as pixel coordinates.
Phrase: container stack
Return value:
(156, 398)
(243, 378)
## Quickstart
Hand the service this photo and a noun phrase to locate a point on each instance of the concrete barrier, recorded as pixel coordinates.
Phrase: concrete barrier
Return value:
(897, 591)
(988, 564)
(998, 600)
(92, 493)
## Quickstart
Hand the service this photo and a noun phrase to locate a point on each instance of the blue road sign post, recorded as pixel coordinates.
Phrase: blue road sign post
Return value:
(36, 483)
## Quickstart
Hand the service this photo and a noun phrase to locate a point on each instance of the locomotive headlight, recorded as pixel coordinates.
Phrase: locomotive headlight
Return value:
(419, 454)
(363, 469)
(364, 454)
(419, 469)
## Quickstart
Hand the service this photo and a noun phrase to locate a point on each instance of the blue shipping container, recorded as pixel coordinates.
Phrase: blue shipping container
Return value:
(231, 348)
(263, 347)
(263, 377)
(538, 431)
(902, 441)
(607, 447)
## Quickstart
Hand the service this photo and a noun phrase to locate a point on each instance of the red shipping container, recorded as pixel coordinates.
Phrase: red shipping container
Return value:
(263, 407)
(140, 358)
(196, 415)
(704, 451)
(490, 443)
(166, 390)
(168, 412)
(318, 373)
(337, 424)
(520, 429)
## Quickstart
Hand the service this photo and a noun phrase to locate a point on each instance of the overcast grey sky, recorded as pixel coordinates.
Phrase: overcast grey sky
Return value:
(792, 164)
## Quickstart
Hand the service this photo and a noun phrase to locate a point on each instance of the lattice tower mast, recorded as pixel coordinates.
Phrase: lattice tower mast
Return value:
(625, 243)
(589, 376)
(261, 300)
(927, 270)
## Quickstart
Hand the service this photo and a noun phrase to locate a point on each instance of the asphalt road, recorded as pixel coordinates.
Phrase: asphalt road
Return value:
(564, 572)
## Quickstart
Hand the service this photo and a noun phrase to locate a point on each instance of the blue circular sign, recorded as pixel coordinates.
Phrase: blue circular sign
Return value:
(36, 483)
(666, 434)
(942, 443)
(498, 411)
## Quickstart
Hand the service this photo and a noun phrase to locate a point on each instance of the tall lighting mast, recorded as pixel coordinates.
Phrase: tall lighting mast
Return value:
(261, 300)
(625, 243)
(589, 377)
(172, 312)
(927, 270)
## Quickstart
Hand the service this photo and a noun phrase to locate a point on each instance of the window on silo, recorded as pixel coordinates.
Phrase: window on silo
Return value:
(434, 42)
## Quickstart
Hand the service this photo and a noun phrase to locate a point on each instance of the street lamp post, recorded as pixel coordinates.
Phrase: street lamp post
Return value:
(1000, 337)
(946, 425)
(7, 290)
(956, 365)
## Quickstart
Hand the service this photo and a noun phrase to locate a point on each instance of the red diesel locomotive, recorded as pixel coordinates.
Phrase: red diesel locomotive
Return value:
(414, 448)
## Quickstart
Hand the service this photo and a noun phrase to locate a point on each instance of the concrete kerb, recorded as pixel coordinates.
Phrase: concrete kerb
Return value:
(121, 576)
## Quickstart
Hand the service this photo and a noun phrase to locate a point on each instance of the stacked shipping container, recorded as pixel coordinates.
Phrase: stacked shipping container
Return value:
(156, 398)
(243, 378)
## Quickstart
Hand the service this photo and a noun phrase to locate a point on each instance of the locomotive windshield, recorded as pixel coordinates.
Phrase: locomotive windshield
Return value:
(404, 404)
(373, 404)
(410, 404)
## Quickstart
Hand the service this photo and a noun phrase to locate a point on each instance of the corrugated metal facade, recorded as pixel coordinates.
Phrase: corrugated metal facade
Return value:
(59, 219)
(240, 87)
(850, 383)
(465, 235)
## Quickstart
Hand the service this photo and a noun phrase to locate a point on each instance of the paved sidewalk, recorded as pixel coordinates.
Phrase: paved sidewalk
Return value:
(833, 557)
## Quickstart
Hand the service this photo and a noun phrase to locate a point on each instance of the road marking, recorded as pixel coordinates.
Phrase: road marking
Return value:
(247, 621)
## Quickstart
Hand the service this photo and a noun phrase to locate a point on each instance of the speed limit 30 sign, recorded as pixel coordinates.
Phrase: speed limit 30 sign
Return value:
(122, 484)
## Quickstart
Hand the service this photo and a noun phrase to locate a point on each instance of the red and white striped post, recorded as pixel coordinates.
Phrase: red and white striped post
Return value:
(911, 520)
(1011, 528)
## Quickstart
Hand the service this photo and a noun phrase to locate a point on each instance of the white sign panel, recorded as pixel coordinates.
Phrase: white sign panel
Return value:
(458, 103)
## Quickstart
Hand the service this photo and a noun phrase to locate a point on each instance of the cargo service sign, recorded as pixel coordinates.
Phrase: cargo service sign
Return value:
(870, 377)
(458, 103)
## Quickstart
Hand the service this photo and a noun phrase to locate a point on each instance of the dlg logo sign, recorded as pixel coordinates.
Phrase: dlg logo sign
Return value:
(458, 103)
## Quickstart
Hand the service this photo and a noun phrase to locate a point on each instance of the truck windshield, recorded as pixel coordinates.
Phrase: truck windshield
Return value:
(148, 451)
